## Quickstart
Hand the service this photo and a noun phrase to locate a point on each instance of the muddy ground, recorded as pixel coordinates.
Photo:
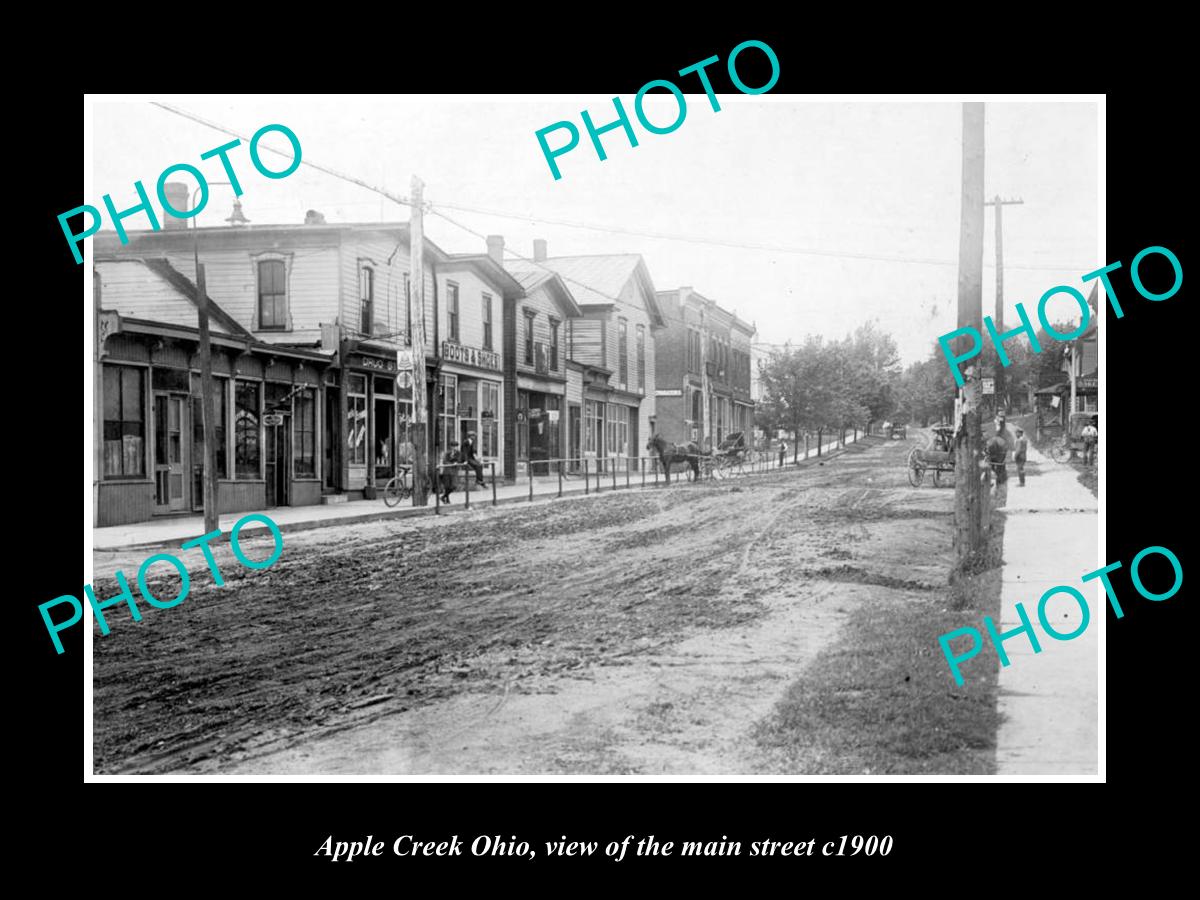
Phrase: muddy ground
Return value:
(633, 632)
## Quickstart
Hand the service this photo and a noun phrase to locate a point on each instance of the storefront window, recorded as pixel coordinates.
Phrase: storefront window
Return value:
(246, 429)
(356, 419)
(523, 426)
(593, 426)
(306, 433)
(449, 410)
(489, 414)
(124, 422)
(219, 404)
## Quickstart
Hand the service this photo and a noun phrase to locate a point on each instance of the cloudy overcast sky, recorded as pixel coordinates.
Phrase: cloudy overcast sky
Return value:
(814, 188)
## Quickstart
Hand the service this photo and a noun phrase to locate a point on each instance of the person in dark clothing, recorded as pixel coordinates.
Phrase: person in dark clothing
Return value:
(469, 457)
(997, 454)
(449, 474)
(1021, 445)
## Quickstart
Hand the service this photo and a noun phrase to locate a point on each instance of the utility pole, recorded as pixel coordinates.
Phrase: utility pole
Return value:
(969, 492)
(999, 317)
(206, 395)
(416, 235)
(706, 389)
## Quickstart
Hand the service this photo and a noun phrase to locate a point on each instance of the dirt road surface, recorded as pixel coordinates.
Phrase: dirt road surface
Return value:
(632, 632)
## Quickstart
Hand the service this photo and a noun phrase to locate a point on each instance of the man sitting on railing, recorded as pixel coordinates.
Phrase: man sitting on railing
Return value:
(472, 461)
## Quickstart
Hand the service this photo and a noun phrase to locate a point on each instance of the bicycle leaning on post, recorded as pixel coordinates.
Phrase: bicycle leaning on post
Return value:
(400, 487)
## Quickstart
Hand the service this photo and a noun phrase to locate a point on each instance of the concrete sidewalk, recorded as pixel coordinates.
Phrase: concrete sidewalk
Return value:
(174, 530)
(1049, 700)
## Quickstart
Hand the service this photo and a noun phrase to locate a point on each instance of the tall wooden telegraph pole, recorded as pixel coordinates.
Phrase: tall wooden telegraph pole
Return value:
(416, 234)
(969, 491)
(998, 318)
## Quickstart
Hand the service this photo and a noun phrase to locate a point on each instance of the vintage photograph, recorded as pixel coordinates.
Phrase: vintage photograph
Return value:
(428, 439)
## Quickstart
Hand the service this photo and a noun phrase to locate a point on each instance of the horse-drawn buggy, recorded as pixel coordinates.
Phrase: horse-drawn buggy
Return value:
(937, 459)
(732, 455)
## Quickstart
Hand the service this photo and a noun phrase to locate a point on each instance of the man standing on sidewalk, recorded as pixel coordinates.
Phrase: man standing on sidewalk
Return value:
(997, 454)
(1019, 450)
(782, 452)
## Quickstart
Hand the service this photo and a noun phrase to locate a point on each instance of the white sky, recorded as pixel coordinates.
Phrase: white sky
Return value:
(843, 177)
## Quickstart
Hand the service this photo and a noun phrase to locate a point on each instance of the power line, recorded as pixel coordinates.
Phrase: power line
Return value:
(403, 201)
(658, 235)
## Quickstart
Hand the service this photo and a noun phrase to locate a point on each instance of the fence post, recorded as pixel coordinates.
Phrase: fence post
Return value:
(467, 498)
(529, 469)
(560, 462)
(437, 490)
(612, 464)
(627, 472)
(643, 468)
(586, 486)
(493, 465)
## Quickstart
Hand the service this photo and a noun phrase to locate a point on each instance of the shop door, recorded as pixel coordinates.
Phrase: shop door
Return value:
(170, 483)
(333, 415)
(279, 462)
(576, 445)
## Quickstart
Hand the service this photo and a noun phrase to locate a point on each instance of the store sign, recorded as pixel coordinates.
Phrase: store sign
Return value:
(1087, 384)
(404, 380)
(372, 362)
(273, 419)
(669, 392)
(989, 385)
(470, 356)
(404, 360)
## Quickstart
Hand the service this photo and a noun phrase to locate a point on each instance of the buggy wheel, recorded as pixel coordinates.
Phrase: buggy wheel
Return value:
(915, 470)
(1060, 452)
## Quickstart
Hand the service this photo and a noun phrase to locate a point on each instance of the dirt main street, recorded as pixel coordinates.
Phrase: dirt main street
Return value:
(631, 632)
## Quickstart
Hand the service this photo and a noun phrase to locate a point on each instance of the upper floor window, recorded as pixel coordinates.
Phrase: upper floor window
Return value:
(487, 321)
(622, 354)
(529, 316)
(452, 309)
(366, 298)
(641, 359)
(554, 323)
(272, 294)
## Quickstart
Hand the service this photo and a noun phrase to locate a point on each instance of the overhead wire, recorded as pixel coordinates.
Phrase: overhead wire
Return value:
(566, 223)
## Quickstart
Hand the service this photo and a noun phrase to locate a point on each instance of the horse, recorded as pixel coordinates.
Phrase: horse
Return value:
(669, 454)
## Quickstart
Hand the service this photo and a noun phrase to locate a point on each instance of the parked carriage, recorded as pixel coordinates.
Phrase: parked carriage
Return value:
(937, 459)
(732, 455)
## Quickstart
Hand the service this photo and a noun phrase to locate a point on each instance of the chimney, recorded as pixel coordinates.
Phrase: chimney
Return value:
(177, 199)
(495, 245)
(312, 217)
(539, 250)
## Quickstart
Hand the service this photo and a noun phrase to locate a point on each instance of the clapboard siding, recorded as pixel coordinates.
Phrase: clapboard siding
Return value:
(544, 308)
(133, 290)
(231, 279)
(587, 340)
(471, 289)
(390, 317)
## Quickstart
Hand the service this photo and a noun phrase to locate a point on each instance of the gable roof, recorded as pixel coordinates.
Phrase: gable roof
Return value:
(531, 276)
(599, 280)
(486, 268)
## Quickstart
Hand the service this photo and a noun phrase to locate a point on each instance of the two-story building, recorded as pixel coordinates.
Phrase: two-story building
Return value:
(704, 370)
(312, 336)
(610, 350)
(536, 363)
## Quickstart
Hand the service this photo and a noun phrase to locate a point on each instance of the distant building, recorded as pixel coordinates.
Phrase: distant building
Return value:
(704, 370)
